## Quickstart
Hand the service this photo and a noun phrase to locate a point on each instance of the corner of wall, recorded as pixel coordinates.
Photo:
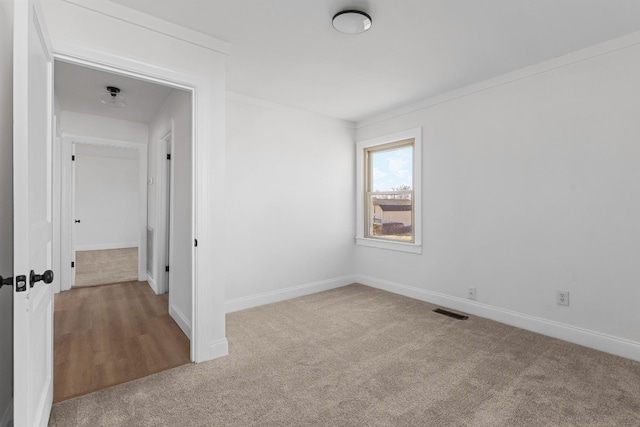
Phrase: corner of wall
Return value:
(278, 295)
(181, 319)
(152, 283)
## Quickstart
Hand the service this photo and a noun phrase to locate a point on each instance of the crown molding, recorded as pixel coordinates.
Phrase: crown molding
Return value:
(569, 59)
(152, 23)
(270, 105)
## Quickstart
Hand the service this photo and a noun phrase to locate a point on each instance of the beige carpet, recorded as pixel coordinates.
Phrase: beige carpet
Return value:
(106, 266)
(357, 356)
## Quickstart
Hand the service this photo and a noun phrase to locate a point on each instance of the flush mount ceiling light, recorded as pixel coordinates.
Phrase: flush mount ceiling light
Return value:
(352, 21)
(112, 97)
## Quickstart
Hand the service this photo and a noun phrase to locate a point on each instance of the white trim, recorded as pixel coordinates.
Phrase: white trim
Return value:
(270, 105)
(361, 240)
(7, 415)
(385, 244)
(180, 319)
(278, 295)
(58, 180)
(164, 233)
(103, 246)
(523, 73)
(91, 140)
(152, 23)
(73, 52)
(218, 348)
(152, 283)
(603, 342)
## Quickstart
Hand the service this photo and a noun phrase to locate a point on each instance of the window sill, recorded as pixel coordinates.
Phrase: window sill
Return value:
(413, 248)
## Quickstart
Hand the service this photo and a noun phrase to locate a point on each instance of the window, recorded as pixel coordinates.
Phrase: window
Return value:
(388, 191)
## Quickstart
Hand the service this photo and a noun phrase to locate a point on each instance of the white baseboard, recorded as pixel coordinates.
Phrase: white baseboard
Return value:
(152, 283)
(102, 246)
(181, 320)
(270, 297)
(218, 348)
(607, 343)
(7, 414)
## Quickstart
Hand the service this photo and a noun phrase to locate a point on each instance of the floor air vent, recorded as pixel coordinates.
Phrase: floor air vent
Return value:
(451, 314)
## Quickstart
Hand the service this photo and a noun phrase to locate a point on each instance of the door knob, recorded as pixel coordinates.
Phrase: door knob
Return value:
(46, 277)
(8, 281)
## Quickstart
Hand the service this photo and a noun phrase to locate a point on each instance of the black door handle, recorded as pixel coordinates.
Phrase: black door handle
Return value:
(46, 277)
(77, 221)
(6, 281)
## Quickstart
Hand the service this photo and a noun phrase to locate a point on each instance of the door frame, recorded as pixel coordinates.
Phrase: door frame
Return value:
(165, 228)
(68, 203)
(196, 85)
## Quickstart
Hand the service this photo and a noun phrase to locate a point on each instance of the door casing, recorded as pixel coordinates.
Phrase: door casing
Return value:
(124, 67)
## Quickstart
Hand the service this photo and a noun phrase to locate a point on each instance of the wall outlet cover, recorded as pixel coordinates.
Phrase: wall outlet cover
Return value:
(562, 297)
(471, 293)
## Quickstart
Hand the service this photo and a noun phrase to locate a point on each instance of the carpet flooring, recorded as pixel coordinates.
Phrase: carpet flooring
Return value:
(106, 266)
(357, 356)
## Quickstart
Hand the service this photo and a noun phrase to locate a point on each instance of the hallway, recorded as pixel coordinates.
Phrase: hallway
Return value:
(107, 335)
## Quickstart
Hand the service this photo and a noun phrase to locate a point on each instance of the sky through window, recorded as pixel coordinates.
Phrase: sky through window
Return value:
(392, 168)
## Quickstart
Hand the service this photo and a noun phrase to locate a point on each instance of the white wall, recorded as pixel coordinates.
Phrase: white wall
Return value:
(290, 213)
(106, 198)
(6, 211)
(529, 187)
(176, 112)
(79, 124)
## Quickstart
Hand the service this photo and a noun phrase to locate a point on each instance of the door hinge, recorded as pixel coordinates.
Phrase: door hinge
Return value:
(168, 156)
(73, 264)
(6, 281)
(21, 283)
(195, 242)
(166, 269)
(73, 158)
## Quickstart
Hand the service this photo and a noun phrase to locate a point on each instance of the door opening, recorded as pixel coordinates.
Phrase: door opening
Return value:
(108, 192)
(151, 138)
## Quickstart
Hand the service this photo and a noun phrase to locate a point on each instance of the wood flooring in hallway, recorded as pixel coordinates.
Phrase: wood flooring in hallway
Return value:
(107, 335)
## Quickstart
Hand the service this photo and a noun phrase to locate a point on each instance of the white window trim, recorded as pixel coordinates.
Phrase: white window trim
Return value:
(416, 246)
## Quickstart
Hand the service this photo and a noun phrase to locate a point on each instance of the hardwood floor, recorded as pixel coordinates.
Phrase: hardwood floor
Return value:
(110, 334)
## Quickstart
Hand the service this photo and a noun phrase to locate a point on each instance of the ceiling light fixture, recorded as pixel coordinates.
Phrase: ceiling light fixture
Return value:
(352, 21)
(112, 97)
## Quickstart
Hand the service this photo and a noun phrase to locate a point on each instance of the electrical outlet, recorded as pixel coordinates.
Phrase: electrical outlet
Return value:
(471, 293)
(562, 297)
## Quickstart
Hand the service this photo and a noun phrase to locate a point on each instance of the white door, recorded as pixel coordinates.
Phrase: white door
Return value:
(32, 229)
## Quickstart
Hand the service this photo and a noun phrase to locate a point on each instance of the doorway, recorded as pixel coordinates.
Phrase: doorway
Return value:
(108, 195)
(90, 324)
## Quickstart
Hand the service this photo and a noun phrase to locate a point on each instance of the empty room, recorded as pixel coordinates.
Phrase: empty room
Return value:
(412, 213)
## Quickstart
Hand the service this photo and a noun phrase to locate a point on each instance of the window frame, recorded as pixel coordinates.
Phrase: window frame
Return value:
(363, 183)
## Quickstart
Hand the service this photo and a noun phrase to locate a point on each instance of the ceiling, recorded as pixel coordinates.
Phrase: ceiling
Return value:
(287, 51)
(78, 90)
